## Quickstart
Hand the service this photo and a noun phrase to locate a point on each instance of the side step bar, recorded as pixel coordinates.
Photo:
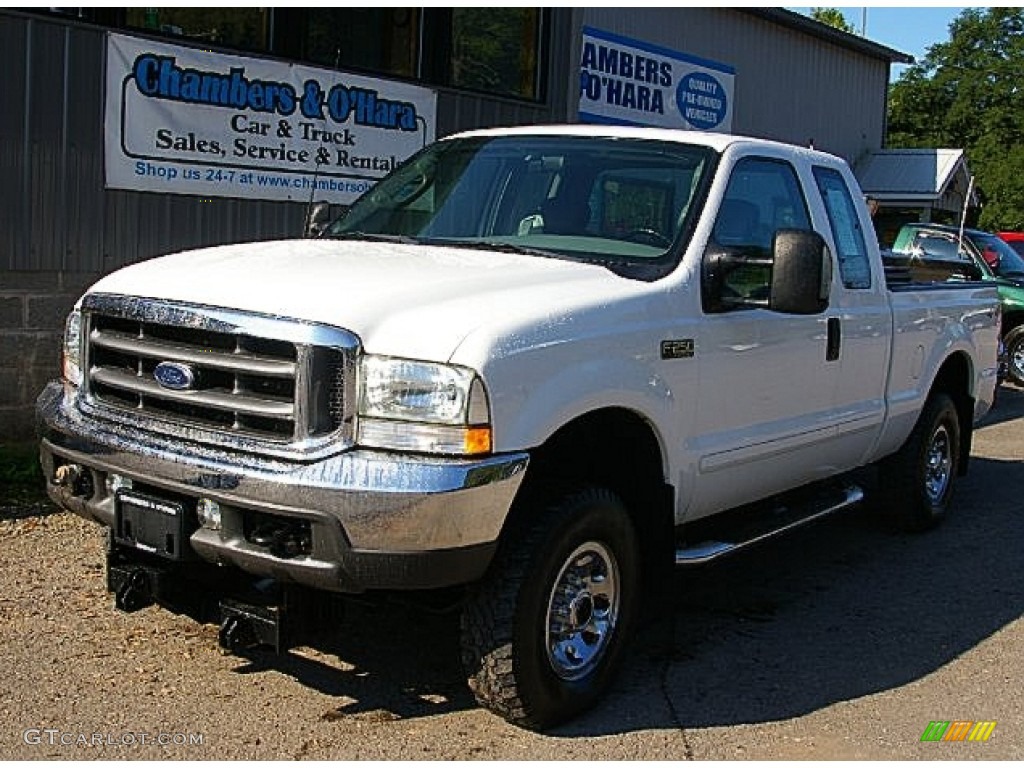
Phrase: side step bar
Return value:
(780, 522)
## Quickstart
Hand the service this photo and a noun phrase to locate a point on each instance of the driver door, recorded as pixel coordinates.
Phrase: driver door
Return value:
(765, 417)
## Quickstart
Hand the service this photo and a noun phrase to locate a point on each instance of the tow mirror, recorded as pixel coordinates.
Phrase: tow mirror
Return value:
(801, 273)
(794, 278)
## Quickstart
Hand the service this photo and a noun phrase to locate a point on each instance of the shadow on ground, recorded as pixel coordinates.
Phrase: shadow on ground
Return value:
(838, 611)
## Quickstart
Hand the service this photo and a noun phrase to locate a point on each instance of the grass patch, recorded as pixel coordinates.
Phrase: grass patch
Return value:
(21, 478)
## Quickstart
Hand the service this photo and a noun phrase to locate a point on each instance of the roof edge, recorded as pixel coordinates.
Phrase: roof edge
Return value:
(805, 24)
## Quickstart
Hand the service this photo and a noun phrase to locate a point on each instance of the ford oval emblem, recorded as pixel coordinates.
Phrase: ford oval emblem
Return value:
(177, 376)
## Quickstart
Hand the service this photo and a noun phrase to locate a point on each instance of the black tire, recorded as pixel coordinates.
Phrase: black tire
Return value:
(917, 481)
(577, 563)
(1014, 342)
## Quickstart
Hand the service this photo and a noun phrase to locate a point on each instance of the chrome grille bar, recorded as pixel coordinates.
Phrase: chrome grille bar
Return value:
(220, 400)
(255, 382)
(233, 361)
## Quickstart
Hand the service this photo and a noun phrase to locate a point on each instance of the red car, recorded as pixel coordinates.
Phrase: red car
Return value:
(1014, 239)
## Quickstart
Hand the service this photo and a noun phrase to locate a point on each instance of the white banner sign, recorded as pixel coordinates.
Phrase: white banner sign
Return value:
(630, 82)
(193, 122)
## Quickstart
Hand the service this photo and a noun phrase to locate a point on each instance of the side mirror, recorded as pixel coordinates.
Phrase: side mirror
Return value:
(801, 273)
(319, 218)
(794, 279)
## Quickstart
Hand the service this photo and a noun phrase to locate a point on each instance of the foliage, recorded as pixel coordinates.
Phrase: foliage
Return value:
(967, 93)
(834, 18)
(21, 478)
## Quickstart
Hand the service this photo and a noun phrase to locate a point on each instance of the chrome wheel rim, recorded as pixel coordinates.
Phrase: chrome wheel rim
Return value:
(583, 610)
(938, 465)
(1017, 359)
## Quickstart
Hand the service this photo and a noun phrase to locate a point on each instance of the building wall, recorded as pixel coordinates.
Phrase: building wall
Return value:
(60, 230)
(789, 86)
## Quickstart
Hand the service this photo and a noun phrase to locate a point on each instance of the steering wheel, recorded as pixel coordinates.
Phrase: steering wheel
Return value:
(648, 236)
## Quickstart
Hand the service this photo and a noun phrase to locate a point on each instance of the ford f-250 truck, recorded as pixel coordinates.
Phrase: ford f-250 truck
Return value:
(539, 364)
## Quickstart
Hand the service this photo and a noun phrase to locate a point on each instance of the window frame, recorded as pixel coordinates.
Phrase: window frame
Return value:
(760, 256)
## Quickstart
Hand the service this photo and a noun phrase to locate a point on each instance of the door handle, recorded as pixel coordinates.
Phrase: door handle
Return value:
(835, 339)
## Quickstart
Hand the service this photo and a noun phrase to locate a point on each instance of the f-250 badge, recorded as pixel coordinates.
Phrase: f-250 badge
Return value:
(673, 349)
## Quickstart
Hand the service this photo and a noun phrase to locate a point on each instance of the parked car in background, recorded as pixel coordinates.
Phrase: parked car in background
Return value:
(1014, 239)
(932, 252)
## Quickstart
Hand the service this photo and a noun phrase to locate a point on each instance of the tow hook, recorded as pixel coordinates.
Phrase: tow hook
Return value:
(244, 626)
(273, 615)
(67, 475)
(134, 592)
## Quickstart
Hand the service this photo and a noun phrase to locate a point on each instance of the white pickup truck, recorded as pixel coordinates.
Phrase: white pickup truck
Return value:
(536, 365)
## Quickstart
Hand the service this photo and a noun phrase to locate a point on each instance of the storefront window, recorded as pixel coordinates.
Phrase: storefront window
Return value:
(372, 39)
(496, 50)
(235, 27)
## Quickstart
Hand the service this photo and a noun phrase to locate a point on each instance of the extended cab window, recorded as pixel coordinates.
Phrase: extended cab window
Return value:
(763, 197)
(852, 252)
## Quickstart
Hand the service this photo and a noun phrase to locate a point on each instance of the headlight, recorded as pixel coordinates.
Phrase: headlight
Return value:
(71, 363)
(417, 406)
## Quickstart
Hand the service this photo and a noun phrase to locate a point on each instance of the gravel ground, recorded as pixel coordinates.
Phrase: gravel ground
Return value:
(840, 641)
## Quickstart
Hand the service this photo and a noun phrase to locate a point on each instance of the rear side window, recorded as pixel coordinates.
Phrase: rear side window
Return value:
(854, 266)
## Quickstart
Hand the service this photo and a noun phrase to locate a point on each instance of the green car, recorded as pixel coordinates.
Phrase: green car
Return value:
(933, 248)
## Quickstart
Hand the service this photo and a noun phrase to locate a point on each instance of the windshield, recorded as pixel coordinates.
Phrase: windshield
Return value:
(614, 201)
(1002, 259)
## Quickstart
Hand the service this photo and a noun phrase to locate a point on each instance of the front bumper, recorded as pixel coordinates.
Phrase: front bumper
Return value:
(377, 520)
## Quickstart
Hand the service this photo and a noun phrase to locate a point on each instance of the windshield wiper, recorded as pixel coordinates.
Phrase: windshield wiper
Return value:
(502, 246)
(374, 237)
(495, 245)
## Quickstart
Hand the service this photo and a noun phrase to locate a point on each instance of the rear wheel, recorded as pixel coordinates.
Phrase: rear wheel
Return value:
(543, 634)
(1015, 355)
(917, 481)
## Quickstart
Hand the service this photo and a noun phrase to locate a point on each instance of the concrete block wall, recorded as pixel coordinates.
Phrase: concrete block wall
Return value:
(33, 306)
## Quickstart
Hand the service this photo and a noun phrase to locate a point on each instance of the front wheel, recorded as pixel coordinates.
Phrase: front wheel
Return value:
(543, 634)
(917, 481)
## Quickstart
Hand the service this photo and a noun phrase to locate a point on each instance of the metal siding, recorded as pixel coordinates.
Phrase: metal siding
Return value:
(13, 192)
(55, 213)
(462, 111)
(84, 208)
(45, 144)
(789, 86)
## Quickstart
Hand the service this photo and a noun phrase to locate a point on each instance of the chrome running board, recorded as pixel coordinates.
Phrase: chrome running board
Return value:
(779, 521)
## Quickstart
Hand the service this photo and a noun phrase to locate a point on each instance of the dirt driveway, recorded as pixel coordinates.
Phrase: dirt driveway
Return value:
(841, 641)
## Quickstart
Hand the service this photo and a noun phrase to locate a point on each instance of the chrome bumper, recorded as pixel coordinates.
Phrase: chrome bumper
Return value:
(378, 520)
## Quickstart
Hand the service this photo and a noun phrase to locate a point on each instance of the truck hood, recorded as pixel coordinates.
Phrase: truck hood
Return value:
(411, 300)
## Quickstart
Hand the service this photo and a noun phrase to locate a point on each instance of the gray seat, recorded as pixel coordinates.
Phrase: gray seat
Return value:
(565, 215)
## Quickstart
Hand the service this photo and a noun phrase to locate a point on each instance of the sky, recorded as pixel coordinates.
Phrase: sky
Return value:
(907, 29)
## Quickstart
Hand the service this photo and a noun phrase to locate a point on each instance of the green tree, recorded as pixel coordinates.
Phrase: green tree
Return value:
(834, 18)
(968, 93)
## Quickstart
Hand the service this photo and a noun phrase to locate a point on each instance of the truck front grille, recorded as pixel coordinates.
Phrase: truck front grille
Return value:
(246, 381)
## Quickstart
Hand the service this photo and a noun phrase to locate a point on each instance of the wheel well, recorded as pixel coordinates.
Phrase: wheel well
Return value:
(954, 379)
(617, 449)
(1010, 321)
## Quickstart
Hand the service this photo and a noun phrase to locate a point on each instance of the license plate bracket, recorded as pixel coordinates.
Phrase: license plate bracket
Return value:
(152, 525)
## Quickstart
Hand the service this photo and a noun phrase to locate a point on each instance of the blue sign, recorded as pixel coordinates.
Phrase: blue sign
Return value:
(702, 100)
(632, 82)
